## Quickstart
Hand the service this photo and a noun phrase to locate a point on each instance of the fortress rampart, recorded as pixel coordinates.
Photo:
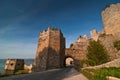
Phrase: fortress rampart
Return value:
(111, 20)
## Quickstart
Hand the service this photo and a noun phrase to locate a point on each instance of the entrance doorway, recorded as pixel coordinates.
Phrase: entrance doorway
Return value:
(69, 62)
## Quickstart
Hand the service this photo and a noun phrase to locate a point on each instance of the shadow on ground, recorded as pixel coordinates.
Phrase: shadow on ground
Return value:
(55, 74)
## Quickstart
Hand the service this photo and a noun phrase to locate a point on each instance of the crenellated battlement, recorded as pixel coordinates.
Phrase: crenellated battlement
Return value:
(94, 34)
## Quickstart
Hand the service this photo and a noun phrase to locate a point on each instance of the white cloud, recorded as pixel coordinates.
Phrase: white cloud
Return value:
(7, 29)
(17, 50)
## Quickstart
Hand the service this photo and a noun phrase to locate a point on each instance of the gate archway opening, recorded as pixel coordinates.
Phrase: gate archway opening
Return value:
(69, 62)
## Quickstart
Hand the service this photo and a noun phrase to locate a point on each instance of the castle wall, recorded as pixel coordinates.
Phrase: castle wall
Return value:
(77, 55)
(108, 41)
(94, 35)
(81, 44)
(111, 20)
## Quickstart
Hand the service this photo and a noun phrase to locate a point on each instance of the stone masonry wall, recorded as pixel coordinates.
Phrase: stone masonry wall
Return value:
(77, 55)
(12, 65)
(56, 49)
(111, 20)
(40, 61)
(81, 43)
(108, 42)
(50, 51)
(94, 35)
(78, 51)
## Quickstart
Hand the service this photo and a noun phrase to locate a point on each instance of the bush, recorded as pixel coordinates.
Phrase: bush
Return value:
(117, 45)
(3, 75)
(97, 53)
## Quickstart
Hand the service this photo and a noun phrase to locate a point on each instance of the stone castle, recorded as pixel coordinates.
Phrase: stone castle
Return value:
(111, 31)
(51, 52)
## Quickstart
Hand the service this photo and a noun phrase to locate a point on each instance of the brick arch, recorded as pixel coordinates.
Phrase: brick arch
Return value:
(77, 55)
(67, 56)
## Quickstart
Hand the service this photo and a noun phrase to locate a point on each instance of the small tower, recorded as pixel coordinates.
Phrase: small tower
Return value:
(94, 35)
(50, 51)
(12, 65)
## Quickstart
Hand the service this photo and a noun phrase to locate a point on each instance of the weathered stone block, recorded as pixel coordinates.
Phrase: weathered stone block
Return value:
(12, 65)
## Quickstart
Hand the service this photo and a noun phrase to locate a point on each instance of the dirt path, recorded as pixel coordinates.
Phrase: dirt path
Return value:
(56, 74)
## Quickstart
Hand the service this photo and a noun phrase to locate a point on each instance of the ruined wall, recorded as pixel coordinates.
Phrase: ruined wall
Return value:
(50, 51)
(108, 41)
(12, 65)
(111, 20)
(94, 35)
(81, 43)
(78, 51)
(77, 55)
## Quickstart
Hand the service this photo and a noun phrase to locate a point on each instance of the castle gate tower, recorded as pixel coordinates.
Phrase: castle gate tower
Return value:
(111, 20)
(50, 51)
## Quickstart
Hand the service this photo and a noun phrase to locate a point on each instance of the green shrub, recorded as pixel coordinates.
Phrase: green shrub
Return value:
(117, 45)
(97, 53)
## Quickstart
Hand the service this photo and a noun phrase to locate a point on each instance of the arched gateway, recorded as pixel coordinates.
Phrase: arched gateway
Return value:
(77, 55)
(51, 52)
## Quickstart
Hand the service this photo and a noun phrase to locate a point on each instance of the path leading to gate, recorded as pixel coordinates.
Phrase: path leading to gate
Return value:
(55, 74)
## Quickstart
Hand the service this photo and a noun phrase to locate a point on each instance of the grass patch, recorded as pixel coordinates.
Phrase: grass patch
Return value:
(22, 72)
(3, 75)
(100, 74)
(17, 72)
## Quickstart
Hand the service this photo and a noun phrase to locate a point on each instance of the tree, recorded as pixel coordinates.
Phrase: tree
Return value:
(97, 53)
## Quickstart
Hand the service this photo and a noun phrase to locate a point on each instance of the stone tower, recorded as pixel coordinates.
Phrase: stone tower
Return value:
(50, 51)
(111, 20)
(94, 35)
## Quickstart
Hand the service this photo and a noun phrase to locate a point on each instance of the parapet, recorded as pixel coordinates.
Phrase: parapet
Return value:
(94, 34)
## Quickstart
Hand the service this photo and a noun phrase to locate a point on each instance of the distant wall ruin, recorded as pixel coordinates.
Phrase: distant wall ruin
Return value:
(12, 65)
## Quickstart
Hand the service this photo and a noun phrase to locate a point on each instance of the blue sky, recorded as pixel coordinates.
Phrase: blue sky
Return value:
(22, 20)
